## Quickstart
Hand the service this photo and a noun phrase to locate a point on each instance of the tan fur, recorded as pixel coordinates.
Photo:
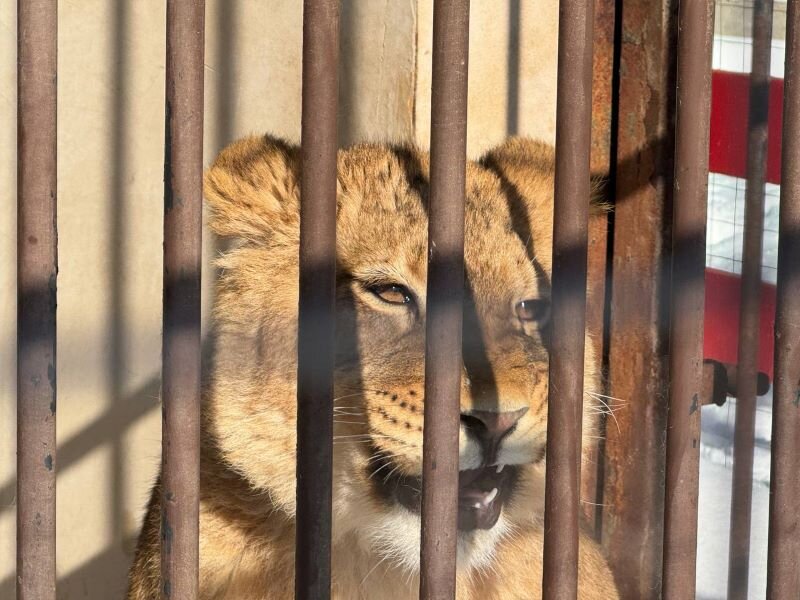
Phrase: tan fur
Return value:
(249, 419)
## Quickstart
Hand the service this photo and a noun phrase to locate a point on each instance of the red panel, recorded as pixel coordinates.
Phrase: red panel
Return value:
(723, 298)
(775, 130)
(730, 100)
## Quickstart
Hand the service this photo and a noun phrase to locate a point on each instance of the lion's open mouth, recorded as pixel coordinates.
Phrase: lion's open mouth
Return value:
(482, 492)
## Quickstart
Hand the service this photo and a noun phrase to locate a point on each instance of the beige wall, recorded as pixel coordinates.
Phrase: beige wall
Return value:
(111, 94)
(512, 71)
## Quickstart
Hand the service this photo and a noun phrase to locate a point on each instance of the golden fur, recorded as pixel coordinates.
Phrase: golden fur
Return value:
(249, 418)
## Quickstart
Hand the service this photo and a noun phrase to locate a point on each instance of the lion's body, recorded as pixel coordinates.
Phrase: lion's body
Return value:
(249, 416)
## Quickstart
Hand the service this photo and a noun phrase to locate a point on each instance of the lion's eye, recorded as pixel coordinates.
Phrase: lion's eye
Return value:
(392, 293)
(533, 310)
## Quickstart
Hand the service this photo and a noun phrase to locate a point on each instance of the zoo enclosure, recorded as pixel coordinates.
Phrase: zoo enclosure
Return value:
(183, 169)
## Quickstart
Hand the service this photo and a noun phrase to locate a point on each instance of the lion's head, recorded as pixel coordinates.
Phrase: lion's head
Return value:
(250, 414)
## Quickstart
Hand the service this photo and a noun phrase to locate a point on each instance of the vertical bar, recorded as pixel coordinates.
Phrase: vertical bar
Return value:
(750, 316)
(183, 173)
(443, 359)
(570, 242)
(37, 266)
(695, 34)
(512, 68)
(783, 576)
(603, 87)
(633, 511)
(315, 349)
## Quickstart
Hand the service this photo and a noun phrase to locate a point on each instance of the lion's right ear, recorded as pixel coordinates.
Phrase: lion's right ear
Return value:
(253, 189)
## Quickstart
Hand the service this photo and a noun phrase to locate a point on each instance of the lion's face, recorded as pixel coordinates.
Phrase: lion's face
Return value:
(380, 332)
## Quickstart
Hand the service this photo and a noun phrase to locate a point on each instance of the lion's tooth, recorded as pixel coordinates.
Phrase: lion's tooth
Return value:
(500, 468)
(477, 505)
(492, 495)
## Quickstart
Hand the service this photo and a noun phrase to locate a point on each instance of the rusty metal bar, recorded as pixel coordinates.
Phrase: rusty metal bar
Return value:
(315, 348)
(183, 175)
(637, 376)
(633, 511)
(749, 316)
(695, 35)
(603, 85)
(783, 576)
(570, 242)
(443, 356)
(37, 266)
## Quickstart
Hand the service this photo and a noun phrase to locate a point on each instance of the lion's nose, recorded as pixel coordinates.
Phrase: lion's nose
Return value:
(490, 427)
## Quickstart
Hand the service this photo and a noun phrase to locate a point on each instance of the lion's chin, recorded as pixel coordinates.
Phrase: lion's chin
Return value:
(396, 537)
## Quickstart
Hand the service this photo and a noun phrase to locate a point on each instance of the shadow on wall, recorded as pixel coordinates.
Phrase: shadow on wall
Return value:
(105, 574)
(112, 565)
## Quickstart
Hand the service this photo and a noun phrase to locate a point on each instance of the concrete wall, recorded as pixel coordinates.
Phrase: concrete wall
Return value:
(512, 71)
(111, 96)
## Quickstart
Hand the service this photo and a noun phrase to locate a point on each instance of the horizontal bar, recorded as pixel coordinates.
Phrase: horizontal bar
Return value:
(443, 351)
(183, 172)
(783, 576)
(570, 243)
(317, 288)
(750, 313)
(695, 35)
(37, 267)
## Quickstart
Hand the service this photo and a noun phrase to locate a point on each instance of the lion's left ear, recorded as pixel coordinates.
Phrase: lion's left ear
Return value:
(253, 189)
(529, 166)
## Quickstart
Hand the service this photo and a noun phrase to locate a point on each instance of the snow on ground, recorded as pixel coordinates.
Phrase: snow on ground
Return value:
(724, 251)
(715, 501)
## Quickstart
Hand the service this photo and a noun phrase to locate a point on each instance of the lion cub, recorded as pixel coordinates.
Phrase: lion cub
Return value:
(249, 418)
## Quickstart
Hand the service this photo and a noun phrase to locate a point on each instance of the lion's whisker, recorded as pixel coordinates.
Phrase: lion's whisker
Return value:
(592, 503)
(379, 469)
(385, 479)
(377, 564)
(360, 435)
(382, 454)
(613, 416)
(342, 442)
(338, 398)
(606, 396)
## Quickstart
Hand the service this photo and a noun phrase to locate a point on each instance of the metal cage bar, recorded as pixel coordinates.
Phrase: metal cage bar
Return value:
(695, 35)
(181, 344)
(570, 243)
(37, 271)
(749, 319)
(633, 500)
(317, 288)
(783, 576)
(443, 352)
(37, 266)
